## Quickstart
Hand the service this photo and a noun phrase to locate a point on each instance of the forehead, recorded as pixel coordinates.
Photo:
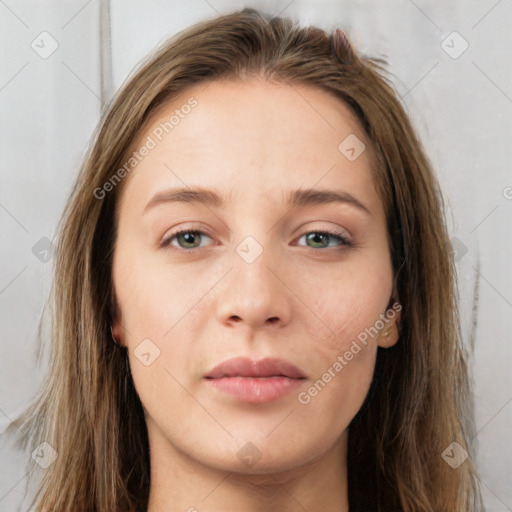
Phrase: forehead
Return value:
(251, 139)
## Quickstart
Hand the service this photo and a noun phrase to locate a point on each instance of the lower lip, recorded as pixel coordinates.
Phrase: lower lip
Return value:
(257, 389)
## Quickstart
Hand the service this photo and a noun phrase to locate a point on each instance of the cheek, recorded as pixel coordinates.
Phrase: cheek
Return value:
(154, 297)
(161, 319)
(338, 391)
(345, 354)
(349, 306)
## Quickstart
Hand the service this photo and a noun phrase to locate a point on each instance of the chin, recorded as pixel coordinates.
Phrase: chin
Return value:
(259, 455)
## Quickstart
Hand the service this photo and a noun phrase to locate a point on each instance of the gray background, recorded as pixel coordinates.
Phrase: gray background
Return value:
(460, 104)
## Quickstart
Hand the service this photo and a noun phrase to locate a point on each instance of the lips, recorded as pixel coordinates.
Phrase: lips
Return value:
(254, 381)
(263, 368)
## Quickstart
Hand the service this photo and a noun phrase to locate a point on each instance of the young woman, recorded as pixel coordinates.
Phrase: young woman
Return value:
(254, 300)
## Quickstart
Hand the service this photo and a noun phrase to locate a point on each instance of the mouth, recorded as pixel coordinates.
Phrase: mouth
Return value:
(255, 381)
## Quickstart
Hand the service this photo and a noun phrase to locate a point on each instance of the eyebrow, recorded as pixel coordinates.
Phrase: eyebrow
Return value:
(296, 198)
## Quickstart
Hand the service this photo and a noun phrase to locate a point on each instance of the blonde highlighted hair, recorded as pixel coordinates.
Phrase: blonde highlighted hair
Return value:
(420, 398)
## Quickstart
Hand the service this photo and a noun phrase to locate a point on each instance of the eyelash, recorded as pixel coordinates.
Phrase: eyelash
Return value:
(345, 243)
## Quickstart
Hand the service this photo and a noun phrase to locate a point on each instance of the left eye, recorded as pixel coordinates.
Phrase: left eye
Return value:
(190, 238)
(319, 237)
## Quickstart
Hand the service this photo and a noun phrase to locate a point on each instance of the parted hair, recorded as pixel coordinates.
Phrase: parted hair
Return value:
(419, 401)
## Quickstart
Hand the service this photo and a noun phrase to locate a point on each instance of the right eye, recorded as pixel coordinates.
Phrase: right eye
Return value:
(187, 237)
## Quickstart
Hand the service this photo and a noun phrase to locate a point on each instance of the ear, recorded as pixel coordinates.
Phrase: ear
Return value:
(116, 324)
(391, 332)
(117, 332)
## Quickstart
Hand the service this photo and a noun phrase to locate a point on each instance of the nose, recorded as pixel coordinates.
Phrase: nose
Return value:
(255, 293)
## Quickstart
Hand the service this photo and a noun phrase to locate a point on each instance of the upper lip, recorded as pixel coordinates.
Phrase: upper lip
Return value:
(246, 367)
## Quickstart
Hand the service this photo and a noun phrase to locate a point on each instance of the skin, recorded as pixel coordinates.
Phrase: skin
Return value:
(302, 300)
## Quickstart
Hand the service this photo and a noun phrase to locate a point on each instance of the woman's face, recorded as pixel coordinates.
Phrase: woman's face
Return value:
(257, 166)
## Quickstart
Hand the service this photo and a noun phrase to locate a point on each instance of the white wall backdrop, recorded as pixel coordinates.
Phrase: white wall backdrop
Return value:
(451, 64)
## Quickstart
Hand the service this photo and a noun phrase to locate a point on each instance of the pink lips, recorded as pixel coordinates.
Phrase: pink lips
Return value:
(255, 381)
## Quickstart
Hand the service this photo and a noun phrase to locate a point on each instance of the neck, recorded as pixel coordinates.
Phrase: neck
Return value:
(182, 483)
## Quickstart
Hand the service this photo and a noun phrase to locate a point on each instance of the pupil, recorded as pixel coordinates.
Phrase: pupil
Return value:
(317, 237)
(189, 238)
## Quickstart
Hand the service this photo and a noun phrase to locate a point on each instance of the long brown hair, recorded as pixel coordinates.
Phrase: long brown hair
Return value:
(420, 399)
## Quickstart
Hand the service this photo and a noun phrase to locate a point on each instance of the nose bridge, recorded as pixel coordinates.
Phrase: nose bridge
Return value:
(254, 294)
